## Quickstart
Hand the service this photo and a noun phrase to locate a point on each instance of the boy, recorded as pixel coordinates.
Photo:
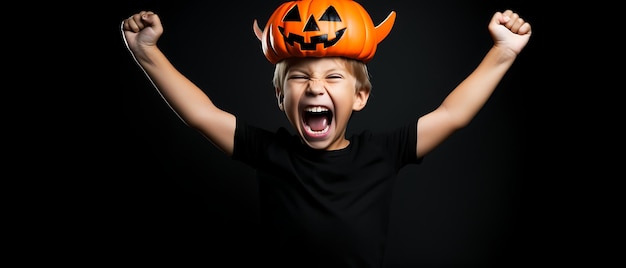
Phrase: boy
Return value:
(324, 197)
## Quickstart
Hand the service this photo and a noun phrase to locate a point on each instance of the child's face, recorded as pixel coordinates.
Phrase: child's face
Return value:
(319, 97)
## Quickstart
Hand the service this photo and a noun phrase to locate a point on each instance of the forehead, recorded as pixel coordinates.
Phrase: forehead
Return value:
(317, 64)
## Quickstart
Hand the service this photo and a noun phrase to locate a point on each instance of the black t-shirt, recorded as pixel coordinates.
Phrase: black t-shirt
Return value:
(325, 208)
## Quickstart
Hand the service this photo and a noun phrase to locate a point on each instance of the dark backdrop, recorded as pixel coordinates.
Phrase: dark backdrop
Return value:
(472, 203)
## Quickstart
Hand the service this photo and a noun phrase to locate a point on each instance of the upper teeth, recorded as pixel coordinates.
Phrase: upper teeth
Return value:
(317, 109)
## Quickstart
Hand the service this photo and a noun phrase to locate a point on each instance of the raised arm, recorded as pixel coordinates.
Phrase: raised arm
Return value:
(141, 32)
(510, 34)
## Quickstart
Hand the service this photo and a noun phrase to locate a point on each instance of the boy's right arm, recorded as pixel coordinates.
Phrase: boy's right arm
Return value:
(141, 33)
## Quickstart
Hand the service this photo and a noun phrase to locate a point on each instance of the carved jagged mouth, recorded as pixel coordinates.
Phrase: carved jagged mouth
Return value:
(320, 39)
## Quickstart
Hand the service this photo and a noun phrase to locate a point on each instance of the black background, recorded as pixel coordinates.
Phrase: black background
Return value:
(479, 200)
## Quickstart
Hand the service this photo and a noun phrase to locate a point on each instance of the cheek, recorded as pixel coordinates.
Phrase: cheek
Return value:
(344, 103)
(292, 94)
(344, 94)
(288, 98)
(290, 105)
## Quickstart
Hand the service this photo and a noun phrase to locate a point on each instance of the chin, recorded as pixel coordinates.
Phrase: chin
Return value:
(317, 144)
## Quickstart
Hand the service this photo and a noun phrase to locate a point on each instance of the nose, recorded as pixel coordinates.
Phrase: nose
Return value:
(316, 86)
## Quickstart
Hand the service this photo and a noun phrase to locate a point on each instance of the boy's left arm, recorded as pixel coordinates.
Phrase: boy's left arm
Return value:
(510, 34)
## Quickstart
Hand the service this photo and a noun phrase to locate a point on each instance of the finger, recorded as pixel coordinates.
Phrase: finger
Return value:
(516, 24)
(130, 24)
(138, 21)
(525, 28)
(507, 13)
(513, 17)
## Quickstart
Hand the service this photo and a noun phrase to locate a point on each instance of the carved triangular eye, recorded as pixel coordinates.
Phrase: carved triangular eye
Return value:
(293, 14)
(330, 15)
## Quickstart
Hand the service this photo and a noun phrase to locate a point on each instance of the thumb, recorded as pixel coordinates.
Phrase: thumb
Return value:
(150, 18)
(500, 18)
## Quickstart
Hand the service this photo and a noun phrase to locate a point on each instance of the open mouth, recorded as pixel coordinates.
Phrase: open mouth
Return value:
(317, 120)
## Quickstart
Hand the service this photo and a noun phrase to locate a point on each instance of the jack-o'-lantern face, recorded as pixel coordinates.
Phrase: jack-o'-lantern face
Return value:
(330, 17)
(318, 28)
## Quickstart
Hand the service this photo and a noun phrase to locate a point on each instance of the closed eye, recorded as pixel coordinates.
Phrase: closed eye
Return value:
(298, 77)
(334, 78)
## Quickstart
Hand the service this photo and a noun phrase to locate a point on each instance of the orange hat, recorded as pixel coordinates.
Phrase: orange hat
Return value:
(319, 28)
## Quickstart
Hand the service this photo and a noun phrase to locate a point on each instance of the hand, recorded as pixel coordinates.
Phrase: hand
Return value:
(509, 31)
(141, 30)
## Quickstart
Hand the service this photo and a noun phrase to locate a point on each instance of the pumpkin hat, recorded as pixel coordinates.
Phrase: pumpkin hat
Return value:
(319, 28)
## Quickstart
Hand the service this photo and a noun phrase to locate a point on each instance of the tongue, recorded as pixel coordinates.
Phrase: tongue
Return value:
(317, 123)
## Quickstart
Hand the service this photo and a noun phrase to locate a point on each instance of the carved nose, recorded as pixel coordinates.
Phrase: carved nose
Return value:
(311, 26)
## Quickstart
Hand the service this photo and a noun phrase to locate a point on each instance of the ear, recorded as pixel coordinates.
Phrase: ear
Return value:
(280, 98)
(360, 99)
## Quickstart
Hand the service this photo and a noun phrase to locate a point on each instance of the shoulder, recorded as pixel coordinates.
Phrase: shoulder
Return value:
(401, 133)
